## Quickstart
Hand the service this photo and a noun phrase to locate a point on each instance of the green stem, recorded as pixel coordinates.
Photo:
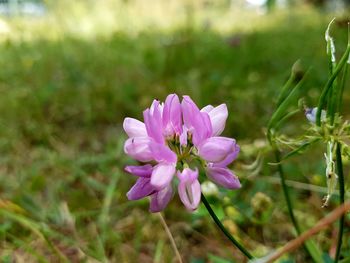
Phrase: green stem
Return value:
(309, 246)
(341, 193)
(286, 193)
(224, 230)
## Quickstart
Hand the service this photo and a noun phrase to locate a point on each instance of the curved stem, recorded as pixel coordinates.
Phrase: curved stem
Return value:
(341, 194)
(224, 230)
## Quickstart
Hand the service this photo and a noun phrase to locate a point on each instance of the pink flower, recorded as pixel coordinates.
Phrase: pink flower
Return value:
(217, 151)
(172, 136)
(143, 188)
(189, 188)
(197, 123)
(218, 117)
(223, 177)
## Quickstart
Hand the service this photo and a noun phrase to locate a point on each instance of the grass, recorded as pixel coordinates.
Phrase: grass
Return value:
(63, 99)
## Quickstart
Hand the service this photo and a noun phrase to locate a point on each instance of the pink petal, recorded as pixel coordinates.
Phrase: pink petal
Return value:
(141, 189)
(188, 174)
(205, 129)
(141, 171)
(172, 118)
(153, 122)
(138, 148)
(229, 158)
(198, 123)
(218, 117)
(207, 108)
(190, 112)
(162, 175)
(223, 177)
(183, 136)
(134, 128)
(162, 153)
(216, 149)
(160, 200)
(189, 188)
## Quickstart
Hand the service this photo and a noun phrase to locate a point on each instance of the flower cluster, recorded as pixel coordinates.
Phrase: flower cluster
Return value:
(174, 139)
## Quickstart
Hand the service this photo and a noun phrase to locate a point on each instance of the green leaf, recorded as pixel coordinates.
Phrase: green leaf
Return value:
(339, 98)
(300, 149)
(286, 117)
(323, 97)
(282, 108)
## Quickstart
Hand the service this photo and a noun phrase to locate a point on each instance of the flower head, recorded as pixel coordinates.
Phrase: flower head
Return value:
(174, 137)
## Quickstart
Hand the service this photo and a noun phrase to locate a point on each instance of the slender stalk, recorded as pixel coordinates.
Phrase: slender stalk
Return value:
(171, 238)
(341, 194)
(286, 193)
(309, 247)
(224, 230)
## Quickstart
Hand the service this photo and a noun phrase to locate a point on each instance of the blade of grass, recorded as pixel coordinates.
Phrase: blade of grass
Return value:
(20, 243)
(107, 201)
(281, 109)
(36, 229)
(341, 89)
(103, 219)
(100, 249)
(159, 250)
(332, 64)
(342, 198)
(286, 117)
(323, 97)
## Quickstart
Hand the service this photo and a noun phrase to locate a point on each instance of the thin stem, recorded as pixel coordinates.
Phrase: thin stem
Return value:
(341, 194)
(170, 236)
(286, 193)
(224, 230)
(309, 248)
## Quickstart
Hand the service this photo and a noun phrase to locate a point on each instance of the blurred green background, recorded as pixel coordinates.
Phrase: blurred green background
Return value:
(71, 71)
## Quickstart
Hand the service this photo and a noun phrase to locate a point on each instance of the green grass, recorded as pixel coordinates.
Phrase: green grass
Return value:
(62, 102)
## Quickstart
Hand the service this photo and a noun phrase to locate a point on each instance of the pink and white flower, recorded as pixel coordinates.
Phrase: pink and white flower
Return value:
(172, 136)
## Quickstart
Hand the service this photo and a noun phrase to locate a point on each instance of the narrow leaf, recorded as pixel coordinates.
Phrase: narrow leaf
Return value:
(281, 109)
(300, 149)
(327, 88)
